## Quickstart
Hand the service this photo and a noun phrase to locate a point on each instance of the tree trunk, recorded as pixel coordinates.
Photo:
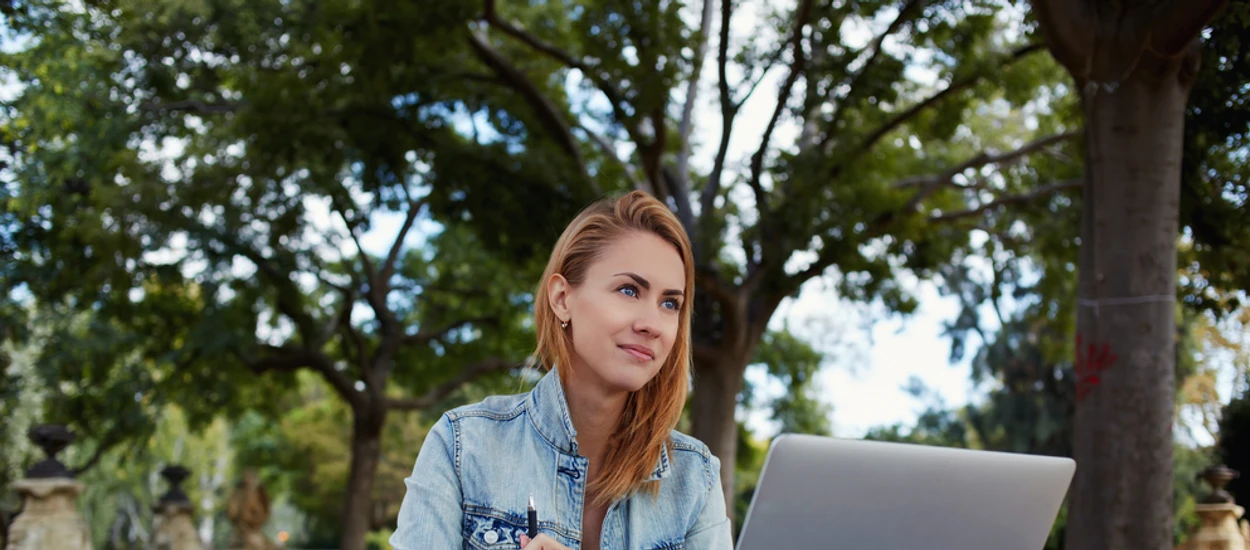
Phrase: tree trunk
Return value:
(1134, 63)
(1126, 344)
(366, 452)
(717, 381)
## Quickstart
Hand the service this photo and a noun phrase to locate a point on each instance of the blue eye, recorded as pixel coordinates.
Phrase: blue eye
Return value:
(628, 290)
(672, 304)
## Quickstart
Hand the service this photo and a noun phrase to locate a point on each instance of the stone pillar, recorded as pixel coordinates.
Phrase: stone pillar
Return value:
(49, 519)
(1219, 514)
(173, 527)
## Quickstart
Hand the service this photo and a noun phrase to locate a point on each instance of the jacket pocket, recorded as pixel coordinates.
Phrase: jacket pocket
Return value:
(489, 529)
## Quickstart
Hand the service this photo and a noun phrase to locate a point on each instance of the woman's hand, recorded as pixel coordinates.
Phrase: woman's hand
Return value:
(541, 542)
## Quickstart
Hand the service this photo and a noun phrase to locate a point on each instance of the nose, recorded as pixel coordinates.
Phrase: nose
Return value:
(647, 322)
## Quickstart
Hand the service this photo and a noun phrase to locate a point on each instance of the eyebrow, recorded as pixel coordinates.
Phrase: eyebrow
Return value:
(646, 285)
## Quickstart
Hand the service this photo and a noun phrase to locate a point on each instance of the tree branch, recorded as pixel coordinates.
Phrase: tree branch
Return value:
(1180, 22)
(344, 317)
(830, 253)
(797, 65)
(770, 239)
(1070, 30)
(388, 266)
(716, 289)
(875, 47)
(189, 105)
(370, 273)
(548, 115)
(440, 392)
(932, 184)
(288, 295)
(610, 151)
(358, 342)
(614, 96)
(1012, 199)
(375, 291)
(954, 87)
(105, 445)
(491, 14)
(425, 337)
(768, 66)
(686, 125)
(729, 110)
(288, 359)
(681, 198)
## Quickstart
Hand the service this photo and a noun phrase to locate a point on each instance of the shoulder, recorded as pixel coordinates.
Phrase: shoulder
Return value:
(468, 427)
(497, 407)
(683, 443)
(692, 455)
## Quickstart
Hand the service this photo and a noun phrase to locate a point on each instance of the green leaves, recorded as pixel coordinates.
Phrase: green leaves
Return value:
(795, 364)
(1215, 183)
(193, 185)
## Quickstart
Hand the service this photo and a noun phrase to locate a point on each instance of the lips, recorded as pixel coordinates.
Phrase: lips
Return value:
(642, 353)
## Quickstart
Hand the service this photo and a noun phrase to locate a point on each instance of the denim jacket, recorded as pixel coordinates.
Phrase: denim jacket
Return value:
(480, 463)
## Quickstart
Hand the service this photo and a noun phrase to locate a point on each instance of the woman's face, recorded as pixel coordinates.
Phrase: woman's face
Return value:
(624, 316)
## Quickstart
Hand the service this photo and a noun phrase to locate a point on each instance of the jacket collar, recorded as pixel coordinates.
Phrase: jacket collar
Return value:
(549, 412)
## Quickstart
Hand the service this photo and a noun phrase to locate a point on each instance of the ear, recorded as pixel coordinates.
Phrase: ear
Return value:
(558, 290)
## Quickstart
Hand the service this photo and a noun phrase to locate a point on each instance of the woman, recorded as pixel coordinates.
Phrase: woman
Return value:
(593, 443)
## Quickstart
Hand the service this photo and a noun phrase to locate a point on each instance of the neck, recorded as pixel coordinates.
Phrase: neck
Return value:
(595, 415)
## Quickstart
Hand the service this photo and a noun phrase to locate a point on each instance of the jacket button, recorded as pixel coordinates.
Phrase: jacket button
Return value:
(491, 537)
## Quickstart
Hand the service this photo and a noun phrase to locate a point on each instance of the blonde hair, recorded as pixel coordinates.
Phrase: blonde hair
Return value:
(651, 413)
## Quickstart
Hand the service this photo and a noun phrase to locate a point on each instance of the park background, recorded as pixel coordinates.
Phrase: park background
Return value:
(284, 236)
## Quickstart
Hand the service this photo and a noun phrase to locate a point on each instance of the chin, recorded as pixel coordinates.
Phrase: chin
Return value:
(621, 378)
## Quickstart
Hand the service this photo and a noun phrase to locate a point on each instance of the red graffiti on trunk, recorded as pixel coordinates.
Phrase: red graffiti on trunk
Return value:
(1089, 362)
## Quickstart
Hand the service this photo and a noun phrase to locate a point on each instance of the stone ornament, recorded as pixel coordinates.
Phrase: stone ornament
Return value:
(173, 527)
(49, 518)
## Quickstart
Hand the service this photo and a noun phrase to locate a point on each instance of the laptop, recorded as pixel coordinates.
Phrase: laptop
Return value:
(822, 492)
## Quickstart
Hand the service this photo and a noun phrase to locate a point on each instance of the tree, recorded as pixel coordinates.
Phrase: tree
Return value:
(793, 363)
(121, 489)
(885, 173)
(191, 189)
(1134, 65)
(1233, 446)
(1215, 179)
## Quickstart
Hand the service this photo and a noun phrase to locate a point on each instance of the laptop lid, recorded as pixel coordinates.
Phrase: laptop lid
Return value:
(822, 492)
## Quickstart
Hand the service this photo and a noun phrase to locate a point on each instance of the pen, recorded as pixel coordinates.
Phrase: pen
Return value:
(532, 531)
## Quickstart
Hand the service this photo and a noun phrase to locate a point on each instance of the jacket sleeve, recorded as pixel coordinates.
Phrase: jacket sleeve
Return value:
(431, 514)
(711, 530)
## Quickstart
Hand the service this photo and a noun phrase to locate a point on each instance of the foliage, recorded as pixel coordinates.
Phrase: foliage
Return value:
(750, 464)
(121, 490)
(1024, 368)
(303, 456)
(203, 197)
(1233, 446)
(794, 363)
(23, 393)
(1214, 173)
(1187, 462)
(192, 186)
(886, 171)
